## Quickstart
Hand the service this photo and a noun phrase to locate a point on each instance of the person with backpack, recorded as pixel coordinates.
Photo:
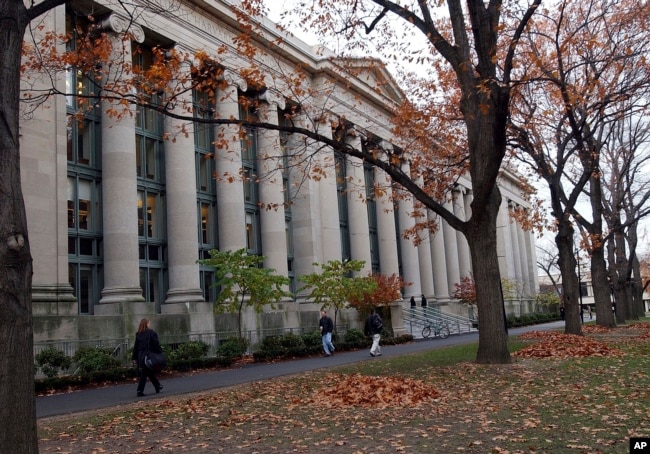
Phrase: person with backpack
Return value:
(326, 327)
(373, 328)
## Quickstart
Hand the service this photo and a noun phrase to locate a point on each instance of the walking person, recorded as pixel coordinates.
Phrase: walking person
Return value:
(423, 303)
(373, 328)
(326, 327)
(146, 341)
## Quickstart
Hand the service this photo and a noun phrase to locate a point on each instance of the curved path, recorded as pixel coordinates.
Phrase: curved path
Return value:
(96, 398)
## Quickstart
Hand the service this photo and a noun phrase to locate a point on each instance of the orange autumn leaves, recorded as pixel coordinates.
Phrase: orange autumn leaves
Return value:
(558, 345)
(362, 391)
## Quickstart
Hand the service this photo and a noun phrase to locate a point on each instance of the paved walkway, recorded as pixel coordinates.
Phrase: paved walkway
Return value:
(97, 398)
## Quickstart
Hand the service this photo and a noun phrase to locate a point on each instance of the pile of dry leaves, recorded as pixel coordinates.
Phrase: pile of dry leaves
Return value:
(362, 391)
(558, 345)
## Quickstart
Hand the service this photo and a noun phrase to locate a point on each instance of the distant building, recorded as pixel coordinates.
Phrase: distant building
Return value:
(586, 291)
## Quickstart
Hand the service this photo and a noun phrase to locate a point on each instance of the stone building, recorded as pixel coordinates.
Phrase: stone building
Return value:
(118, 215)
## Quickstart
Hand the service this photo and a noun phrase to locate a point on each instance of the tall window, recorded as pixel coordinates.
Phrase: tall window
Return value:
(369, 174)
(288, 216)
(85, 261)
(398, 232)
(249, 147)
(149, 150)
(206, 189)
(341, 189)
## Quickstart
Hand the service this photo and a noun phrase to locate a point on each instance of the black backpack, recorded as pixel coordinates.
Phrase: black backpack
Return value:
(377, 324)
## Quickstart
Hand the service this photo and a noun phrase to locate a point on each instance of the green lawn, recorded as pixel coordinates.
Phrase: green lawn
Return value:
(570, 405)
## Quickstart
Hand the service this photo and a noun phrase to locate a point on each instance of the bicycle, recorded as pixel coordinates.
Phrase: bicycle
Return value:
(439, 329)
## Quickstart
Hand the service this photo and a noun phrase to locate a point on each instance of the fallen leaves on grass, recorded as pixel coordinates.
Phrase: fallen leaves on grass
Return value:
(558, 345)
(364, 391)
(642, 327)
(529, 406)
(594, 329)
(639, 325)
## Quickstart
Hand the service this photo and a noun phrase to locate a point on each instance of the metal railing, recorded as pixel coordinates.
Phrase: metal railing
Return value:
(121, 346)
(416, 318)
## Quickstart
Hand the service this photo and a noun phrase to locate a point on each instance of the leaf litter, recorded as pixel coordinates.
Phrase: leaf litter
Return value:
(547, 401)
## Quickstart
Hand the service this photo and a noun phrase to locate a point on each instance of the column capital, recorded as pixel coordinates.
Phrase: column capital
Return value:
(121, 24)
(232, 78)
(273, 96)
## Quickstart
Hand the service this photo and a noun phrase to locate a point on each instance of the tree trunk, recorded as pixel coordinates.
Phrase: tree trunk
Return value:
(605, 317)
(18, 408)
(570, 283)
(482, 240)
(637, 288)
(600, 283)
(599, 275)
(637, 308)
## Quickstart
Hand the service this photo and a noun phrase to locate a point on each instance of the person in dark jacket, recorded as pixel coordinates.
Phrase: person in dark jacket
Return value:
(373, 328)
(146, 341)
(326, 327)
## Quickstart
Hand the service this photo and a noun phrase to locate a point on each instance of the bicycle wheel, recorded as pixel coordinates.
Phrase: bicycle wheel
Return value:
(426, 331)
(444, 332)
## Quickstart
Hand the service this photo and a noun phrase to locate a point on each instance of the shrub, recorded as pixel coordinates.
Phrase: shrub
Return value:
(355, 337)
(188, 350)
(288, 345)
(233, 347)
(290, 341)
(93, 359)
(284, 342)
(52, 361)
(312, 339)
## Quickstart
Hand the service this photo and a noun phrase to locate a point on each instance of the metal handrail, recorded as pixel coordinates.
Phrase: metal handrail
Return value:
(121, 346)
(415, 318)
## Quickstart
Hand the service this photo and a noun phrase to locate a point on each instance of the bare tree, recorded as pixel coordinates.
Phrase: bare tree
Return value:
(582, 64)
(626, 191)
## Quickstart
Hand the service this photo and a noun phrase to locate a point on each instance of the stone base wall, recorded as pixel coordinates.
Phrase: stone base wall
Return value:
(120, 320)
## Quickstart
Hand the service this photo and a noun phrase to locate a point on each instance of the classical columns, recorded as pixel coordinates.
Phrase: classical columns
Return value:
(184, 282)
(315, 215)
(357, 208)
(388, 259)
(439, 257)
(504, 242)
(271, 189)
(424, 252)
(514, 239)
(464, 259)
(531, 255)
(451, 252)
(119, 183)
(329, 226)
(230, 193)
(410, 261)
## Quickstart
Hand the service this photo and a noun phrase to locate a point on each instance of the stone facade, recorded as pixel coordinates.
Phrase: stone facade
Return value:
(114, 210)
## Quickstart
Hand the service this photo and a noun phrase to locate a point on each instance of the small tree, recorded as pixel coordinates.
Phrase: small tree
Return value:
(548, 299)
(465, 290)
(238, 276)
(335, 285)
(388, 290)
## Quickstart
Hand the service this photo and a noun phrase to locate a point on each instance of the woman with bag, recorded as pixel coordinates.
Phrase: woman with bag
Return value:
(146, 343)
